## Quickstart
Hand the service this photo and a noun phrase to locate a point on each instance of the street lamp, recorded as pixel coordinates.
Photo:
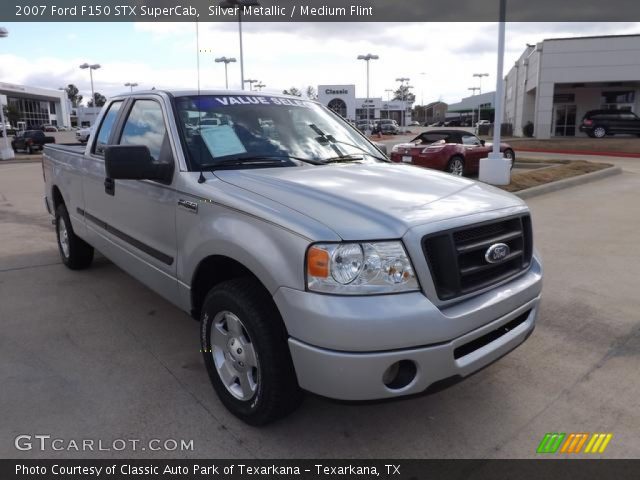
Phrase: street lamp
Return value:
(368, 57)
(260, 86)
(389, 91)
(479, 76)
(240, 4)
(404, 105)
(424, 110)
(6, 152)
(226, 62)
(250, 81)
(130, 85)
(496, 169)
(91, 68)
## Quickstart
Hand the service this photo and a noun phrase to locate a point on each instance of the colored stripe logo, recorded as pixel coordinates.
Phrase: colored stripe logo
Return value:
(574, 442)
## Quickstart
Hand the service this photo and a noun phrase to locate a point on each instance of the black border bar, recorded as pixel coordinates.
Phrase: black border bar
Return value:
(320, 11)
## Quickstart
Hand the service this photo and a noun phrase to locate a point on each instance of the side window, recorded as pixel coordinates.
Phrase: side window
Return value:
(105, 128)
(145, 126)
(470, 140)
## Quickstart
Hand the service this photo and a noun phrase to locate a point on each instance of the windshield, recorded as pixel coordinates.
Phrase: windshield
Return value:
(232, 130)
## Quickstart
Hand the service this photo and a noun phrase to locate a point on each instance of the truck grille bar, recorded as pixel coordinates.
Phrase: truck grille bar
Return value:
(457, 257)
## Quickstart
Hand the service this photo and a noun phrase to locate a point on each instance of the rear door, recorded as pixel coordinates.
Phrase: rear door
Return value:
(136, 218)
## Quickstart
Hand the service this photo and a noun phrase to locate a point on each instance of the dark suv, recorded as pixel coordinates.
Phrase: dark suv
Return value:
(599, 123)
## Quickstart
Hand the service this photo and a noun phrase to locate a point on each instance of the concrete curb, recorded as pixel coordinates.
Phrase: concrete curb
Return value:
(568, 182)
(13, 161)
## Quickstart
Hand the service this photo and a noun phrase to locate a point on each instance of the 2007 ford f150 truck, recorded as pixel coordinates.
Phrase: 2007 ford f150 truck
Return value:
(311, 261)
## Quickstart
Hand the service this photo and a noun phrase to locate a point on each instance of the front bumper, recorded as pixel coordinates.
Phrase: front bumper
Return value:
(360, 376)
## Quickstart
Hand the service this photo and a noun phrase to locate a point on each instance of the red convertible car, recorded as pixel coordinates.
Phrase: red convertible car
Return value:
(454, 151)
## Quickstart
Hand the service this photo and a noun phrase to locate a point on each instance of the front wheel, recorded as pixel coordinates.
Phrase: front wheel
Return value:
(245, 350)
(456, 166)
(599, 132)
(75, 252)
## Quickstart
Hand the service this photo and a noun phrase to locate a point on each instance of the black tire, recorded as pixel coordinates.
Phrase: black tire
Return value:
(78, 254)
(30, 149)
(510, 154)
(276, 391)
(456, 166)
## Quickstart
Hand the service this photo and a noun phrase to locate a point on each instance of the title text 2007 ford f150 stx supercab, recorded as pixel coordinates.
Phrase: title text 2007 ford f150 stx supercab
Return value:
(311, 261)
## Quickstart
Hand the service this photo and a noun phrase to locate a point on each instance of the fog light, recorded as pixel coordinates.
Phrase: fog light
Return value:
(400, 374)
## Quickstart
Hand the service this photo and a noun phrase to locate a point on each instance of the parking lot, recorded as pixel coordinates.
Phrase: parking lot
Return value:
(94, 354)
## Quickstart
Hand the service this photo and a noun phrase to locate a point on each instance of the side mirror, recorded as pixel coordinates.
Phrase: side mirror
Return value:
(134, 162)
(482, 142)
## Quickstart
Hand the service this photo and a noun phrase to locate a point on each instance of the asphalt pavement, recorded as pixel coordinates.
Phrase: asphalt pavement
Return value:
(96, 355)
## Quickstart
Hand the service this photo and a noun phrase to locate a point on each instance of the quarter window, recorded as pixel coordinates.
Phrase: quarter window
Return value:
(105, 128)
(470, 140)
(145, 126)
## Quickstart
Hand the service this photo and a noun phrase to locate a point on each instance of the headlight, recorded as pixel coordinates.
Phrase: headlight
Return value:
(360, 268)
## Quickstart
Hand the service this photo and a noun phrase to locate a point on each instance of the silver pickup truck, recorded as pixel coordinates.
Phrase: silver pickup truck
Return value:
(311, 261)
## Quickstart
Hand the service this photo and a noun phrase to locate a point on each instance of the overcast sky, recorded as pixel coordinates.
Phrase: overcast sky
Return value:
(280, 55)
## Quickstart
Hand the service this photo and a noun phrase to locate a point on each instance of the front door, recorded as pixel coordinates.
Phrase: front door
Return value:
(564, 120)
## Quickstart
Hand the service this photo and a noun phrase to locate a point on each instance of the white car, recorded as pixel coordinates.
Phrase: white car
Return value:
(483, 122)
(83, 134)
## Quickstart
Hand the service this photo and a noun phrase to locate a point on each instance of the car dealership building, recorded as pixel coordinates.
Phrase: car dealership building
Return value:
(36, 106)
(342, 99)
(555, 82)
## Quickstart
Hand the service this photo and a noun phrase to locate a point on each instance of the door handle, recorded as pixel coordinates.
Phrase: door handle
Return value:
(109, 186)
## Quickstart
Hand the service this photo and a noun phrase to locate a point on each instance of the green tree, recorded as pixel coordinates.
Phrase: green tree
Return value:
(11, 114)
(73, 94)
(98, 100)
(403, 93)
(293, 91)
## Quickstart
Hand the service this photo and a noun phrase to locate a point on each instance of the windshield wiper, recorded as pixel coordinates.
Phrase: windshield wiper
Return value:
(343, 159)
(331, 141)
(257, 160)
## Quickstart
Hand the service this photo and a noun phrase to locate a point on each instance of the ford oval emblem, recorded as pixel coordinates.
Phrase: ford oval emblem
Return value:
(497, 252)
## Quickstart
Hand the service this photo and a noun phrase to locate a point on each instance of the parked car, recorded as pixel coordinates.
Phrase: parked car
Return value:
(312, 262)
(435, 124)
(483, 122)
(364, 125)
(83, 134)
(49, 128)
(414, 124)
(387, 127)
(454, 151)
(30, 140)
(599, 123)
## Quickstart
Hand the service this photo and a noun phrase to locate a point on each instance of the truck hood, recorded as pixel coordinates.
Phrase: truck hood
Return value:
(372, 201)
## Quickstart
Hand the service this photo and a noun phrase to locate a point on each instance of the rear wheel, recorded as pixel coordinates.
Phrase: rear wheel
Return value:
(30, 149)
(599, 132)
(75, 252)
(456, 166)
(245, 350)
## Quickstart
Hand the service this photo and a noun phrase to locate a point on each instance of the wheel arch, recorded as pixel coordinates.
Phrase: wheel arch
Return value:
(212, 271)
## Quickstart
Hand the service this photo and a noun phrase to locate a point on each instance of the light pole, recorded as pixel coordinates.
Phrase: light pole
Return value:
(367, 58)
(496, 169)
(91, 68)
(239, 5)
(404, 105)
(6, 152)
(389, 91)
(130, 85)
(226, 62)
(250, 81)
(424, 110)
(473, 110)
(479, 76)
(260, 86)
